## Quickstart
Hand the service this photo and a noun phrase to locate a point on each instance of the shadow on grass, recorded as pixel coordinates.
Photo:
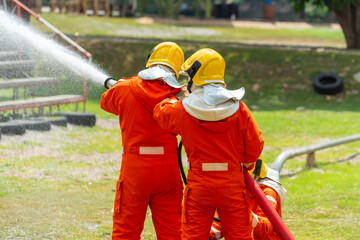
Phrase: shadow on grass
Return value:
(289, 174)
(343, 160)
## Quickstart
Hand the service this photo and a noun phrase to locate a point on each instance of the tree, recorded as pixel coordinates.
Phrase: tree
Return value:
(197, 8)
(347, 13)
(142, 6)
(208, 9)
(198, 4)
(177, 8)
(168, 8)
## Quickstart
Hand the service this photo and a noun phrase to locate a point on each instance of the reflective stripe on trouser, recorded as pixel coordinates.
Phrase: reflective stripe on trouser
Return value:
(159, 187)
(203, 195)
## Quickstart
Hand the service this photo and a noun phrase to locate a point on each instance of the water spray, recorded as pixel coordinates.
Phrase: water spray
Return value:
(9, 25)
(54, 29)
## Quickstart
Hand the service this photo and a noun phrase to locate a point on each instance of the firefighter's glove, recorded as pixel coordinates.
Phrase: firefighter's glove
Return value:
(183, 93)
(255, 220)
(259, 170)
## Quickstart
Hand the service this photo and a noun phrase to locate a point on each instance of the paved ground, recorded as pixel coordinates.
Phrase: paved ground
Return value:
(148, 32)
(224, 22)
(262, 24)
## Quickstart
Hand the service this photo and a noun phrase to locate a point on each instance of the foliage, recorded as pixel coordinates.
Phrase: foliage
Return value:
(346, 12)
(331, 4)
(316, 13)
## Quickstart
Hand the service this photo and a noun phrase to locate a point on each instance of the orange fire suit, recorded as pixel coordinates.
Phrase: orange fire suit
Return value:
(149, 173)
(215, 152)
(264, 229)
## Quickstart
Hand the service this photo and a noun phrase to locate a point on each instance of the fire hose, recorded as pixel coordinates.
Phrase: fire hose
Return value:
(180, 163)
(279, 226)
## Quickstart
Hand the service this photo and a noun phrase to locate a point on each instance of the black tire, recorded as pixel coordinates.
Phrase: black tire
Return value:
(328, 84)
(12, 128)
(58, 121)
(4, 118)
(36, 124)
(77, 118)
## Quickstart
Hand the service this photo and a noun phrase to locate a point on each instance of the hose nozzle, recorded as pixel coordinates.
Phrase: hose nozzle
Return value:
(109, 82)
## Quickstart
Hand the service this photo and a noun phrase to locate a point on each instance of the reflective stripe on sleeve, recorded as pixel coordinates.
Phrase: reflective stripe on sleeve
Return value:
(173, 101)
(271, 199)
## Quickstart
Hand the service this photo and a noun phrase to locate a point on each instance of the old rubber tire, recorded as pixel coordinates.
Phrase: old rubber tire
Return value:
(77, 118)
(12, 128)
(328, 84)
(58, 121)
(36, 124)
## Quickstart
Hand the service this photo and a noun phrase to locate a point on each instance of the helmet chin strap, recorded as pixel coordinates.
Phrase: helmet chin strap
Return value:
(191, 73)
(189, 85)
(149, 55)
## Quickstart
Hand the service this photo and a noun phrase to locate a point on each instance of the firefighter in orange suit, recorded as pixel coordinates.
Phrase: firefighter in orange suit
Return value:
(275, 193)
(149, 174)
(220, 137)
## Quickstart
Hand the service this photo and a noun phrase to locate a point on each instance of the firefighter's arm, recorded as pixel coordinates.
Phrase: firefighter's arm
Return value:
(253, 141)
(165, 113)
(264, 226)
(183, 93)
(272, 196)
(111, 98)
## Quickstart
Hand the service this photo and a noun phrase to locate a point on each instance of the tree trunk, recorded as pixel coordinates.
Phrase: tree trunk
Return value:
(160, 9)
(208, 9)
(349, 20)
(197, 8)
(177, 9)
(168, 8)
(143, 5)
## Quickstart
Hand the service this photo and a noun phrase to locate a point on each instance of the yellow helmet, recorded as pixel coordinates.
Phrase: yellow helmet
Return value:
(260, 169)
(205, 66)
(168, 54)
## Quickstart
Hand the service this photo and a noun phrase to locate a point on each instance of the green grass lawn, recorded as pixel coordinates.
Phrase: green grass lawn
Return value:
(60, 185)
(130, 27)
(66, 189)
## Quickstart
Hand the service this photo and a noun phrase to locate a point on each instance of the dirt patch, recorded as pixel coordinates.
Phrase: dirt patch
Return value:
(234, 23)
(35, 146)
(143, 31)
(30, 173)
(108, 123)
(97, 158)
